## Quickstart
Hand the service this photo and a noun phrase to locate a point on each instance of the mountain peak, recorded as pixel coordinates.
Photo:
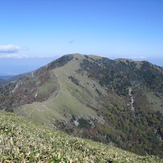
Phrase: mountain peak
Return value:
(94, 97)
(82, 56)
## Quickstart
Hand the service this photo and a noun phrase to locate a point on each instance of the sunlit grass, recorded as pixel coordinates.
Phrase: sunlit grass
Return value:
(25, 141)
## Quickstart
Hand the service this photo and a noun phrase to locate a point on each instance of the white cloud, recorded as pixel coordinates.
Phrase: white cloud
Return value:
(139, 57)
(13, 56)
(10, 48)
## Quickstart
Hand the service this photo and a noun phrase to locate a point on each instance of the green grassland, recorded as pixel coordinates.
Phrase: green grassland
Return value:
(70, 97)
(155, 102)
(24, 141)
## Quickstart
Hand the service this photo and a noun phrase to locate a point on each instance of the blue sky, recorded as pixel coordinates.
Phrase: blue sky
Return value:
(111, 28)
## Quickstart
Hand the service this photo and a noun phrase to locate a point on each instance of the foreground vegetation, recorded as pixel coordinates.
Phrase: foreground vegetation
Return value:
(24, 141)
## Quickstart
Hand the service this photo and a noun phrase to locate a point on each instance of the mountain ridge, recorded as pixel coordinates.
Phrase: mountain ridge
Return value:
(113, 101)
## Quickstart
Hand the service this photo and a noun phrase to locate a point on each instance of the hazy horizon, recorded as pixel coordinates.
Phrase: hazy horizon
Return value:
(14, 66)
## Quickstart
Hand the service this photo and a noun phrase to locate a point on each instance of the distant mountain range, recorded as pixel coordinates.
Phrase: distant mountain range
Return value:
(16, 66)
(8, 79)
(117, 102)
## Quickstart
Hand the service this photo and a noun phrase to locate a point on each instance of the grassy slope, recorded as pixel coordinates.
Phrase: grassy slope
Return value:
(24, 141)
(71, 98)
(68, 97)
(155, 101)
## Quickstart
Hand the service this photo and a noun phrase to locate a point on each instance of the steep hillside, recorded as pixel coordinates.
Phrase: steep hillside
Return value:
(118, 102)
(24, 141)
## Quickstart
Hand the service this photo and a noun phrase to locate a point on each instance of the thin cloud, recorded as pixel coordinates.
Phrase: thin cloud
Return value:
(17, 56)
(10, 48)
(139, 57)
(13, 56)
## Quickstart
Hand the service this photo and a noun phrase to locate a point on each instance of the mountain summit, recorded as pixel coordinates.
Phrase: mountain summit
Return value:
(118, 102)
